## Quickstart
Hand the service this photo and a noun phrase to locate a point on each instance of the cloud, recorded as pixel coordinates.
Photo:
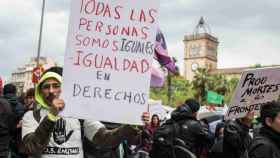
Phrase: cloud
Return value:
(19, 31)
(55, 35)
(246, 29)
(54, 5)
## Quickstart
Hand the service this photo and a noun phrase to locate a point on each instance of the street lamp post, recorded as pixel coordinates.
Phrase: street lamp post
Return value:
(40, 34)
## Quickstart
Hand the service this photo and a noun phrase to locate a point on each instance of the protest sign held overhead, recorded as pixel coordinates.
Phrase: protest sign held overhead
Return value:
(255, 88)
(108, 59)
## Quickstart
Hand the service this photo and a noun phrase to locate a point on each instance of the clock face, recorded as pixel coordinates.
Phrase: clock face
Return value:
(194, 66)
(195, 50)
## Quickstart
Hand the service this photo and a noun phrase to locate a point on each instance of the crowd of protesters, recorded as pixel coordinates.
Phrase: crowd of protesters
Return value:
(30, 126)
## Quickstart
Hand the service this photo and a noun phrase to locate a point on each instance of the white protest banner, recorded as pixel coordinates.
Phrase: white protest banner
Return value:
(255, 88)
(108, 59)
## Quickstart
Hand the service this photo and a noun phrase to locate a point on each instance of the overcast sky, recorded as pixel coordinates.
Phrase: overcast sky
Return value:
(248, 31)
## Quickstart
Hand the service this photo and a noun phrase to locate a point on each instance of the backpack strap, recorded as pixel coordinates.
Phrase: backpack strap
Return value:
(175, 132)
(37, 115)
(82, 127)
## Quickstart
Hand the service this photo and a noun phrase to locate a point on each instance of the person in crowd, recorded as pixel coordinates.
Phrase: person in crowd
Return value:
(47, 134)
(217, 148)
(219, 132)
(206, 146)
(194, 134)
(267, 142)
(236, 137)
(29, 99)
(154, 124)
(257, 125)
(7, 127)
(148, 132)
(21, 98)
(10, 94)
(182, 135)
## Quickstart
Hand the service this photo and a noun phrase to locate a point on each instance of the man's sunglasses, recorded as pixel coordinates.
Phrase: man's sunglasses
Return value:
(53, 85)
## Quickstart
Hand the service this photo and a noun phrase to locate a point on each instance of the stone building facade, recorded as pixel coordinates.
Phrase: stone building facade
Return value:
(22, 77)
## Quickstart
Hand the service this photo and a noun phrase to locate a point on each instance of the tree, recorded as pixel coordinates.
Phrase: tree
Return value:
(181, 89)
(257, 65)
(170, 76)
(217, 83)
(200, 84)
(231, 85)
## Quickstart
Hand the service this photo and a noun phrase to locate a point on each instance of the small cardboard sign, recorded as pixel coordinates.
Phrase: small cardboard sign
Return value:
(255, 88)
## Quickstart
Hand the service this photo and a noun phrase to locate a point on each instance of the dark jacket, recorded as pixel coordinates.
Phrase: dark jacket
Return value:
(236, 140)
(266, 144)
(193, 133)
(18, 112)
(147, 137)
(7, 126)
(217, 149)
(16, 106)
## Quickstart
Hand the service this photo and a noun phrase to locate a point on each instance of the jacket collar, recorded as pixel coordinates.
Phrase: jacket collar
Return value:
(271, 134)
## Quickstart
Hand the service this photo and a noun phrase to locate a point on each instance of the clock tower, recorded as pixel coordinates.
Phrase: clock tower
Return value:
(200, 50)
